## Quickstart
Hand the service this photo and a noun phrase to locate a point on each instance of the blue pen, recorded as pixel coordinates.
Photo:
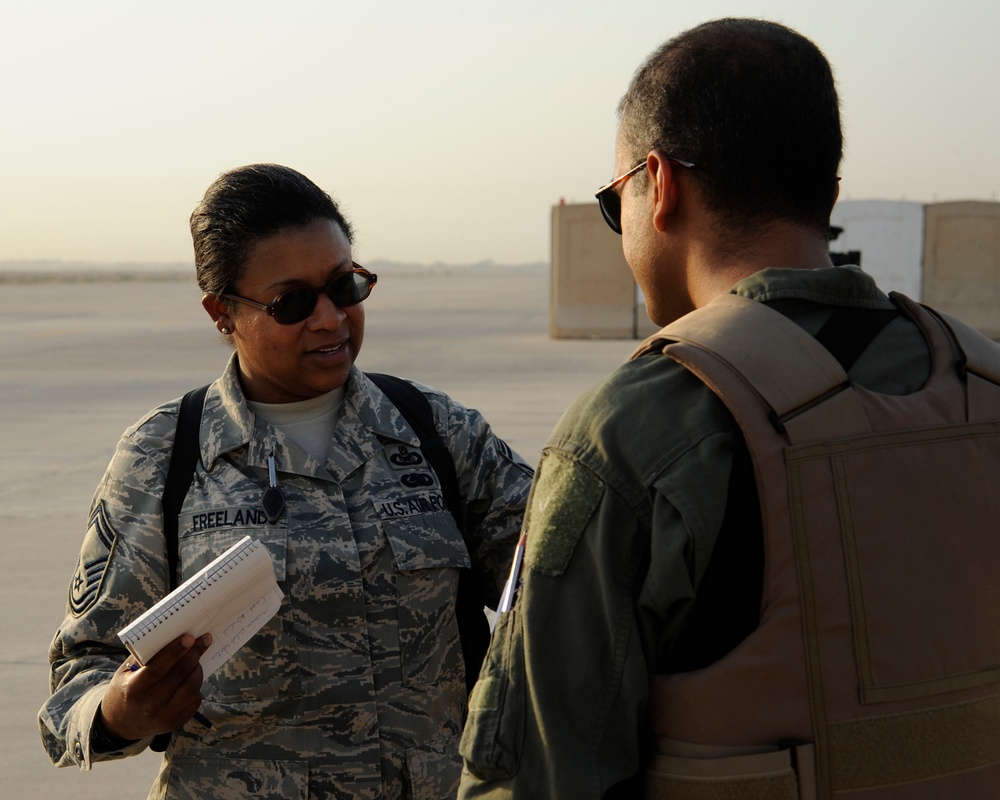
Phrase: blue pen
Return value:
(197, 714)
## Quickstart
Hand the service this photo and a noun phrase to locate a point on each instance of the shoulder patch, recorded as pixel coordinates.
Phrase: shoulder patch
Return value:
(98, 545)
(563, 499)
(507, 452)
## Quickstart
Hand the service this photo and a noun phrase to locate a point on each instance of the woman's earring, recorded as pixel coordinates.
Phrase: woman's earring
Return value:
(225, 331)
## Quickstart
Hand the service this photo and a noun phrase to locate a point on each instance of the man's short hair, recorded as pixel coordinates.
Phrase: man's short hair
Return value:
(754, 106)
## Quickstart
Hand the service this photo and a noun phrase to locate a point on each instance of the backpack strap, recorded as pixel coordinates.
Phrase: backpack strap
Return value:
(411, 403)
(183, 460)
(473, 627)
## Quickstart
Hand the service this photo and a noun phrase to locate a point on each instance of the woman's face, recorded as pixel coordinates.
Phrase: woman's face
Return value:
(286, 363)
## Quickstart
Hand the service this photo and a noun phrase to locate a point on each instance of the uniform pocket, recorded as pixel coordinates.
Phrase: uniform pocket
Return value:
(193, 778)
(434, 769)
(428, 551)
(266, 665)
(494, 733)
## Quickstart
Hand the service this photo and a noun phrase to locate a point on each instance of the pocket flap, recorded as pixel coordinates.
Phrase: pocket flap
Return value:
(192, 776)
(427, 541)
(434, 768)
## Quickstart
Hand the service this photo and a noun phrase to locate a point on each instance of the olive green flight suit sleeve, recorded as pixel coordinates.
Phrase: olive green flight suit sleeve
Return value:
(558, 710)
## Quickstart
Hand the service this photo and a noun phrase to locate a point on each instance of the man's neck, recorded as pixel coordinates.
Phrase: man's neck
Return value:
(713, 270)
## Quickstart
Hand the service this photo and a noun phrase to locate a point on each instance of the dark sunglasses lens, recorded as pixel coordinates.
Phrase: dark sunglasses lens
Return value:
(611, 208)
(349, 289)
(295, 305)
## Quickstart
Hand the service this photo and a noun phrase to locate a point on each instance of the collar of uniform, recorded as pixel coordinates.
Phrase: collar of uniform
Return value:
(367, 420)
(376, 411)
(226, 422)
(838, 286)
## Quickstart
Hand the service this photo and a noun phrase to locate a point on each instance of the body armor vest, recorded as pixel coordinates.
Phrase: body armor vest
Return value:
(875, 670)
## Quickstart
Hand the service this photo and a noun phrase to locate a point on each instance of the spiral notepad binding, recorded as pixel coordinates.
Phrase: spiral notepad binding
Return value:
(189, 590)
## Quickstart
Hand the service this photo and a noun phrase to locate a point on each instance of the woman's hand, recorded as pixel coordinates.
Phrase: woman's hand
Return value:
(158, 697)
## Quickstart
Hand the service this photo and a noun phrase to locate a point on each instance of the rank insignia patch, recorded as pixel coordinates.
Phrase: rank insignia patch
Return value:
(94, 559)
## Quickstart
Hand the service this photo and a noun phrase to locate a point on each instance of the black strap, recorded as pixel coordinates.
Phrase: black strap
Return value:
(473, 628)
(183, 460)
(411, 403)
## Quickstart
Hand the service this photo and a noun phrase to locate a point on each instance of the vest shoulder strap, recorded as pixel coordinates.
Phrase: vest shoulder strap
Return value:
(183, 460)
(754, 344)
(977, 359)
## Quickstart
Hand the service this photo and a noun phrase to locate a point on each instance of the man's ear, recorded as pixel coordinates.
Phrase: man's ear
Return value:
(663, 173)
(218, 310)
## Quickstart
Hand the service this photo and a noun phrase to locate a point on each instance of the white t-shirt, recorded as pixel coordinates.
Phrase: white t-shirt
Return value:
(309, 423)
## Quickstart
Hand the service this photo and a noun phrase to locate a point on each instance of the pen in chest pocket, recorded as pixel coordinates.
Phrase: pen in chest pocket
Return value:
(273, 501)
(510, 589)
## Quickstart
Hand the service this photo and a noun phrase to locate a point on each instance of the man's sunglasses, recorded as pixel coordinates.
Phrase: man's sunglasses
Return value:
(295, 305)
(611, 202)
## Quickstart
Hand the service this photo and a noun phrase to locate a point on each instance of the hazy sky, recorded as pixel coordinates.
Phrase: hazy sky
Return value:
(446, 128)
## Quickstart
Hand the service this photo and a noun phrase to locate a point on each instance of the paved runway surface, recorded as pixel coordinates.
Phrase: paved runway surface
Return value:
(81, 361)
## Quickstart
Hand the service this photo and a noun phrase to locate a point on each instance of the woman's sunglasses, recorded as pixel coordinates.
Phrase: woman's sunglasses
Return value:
(611, 202)
(295, 305)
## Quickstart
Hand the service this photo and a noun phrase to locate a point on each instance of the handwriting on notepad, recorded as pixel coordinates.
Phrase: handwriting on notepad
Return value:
(224, 599)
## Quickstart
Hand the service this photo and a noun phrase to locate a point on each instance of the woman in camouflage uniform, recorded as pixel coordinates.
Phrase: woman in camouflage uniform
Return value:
(356, 688)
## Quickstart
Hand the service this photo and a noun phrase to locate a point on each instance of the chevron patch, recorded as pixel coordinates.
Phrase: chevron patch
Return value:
(98, 545)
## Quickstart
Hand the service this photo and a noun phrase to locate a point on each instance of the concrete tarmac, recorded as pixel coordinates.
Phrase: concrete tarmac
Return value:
(81, 361)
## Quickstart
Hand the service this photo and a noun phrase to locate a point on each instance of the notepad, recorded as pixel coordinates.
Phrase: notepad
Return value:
(232, 598)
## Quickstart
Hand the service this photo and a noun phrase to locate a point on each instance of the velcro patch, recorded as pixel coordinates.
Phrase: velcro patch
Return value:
(485, 694)
(562, 501)
(98, 545)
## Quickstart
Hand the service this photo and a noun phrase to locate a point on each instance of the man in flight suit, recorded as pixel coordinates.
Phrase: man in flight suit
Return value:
(761, 556)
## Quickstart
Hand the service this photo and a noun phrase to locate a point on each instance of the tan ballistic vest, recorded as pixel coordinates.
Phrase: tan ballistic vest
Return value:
(875, 671)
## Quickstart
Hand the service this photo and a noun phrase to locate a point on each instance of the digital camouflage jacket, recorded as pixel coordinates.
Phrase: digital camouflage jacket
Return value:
(355, 689)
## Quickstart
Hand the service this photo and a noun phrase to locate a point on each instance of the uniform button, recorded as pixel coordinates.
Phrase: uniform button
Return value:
(78, 750)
